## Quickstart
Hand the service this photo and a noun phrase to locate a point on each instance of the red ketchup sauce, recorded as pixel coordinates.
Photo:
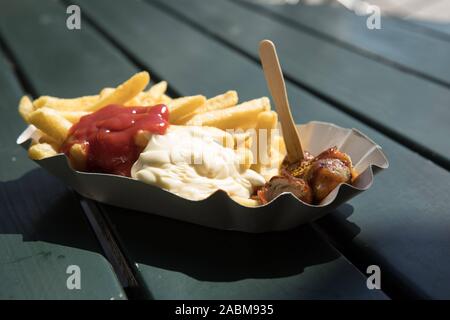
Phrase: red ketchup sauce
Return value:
(108, 136)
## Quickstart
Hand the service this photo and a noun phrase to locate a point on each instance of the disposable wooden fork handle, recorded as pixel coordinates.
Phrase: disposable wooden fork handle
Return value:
(277, 88)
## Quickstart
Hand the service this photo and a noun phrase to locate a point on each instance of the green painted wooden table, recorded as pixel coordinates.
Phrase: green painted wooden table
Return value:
(351, 77)
(42, 228)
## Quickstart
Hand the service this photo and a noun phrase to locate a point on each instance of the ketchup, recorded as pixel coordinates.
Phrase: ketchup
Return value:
(108, 134)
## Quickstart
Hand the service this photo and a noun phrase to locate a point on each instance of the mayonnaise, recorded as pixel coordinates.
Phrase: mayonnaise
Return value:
(192, 163)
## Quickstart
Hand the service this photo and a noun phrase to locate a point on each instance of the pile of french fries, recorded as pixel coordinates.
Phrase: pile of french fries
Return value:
(53, 117)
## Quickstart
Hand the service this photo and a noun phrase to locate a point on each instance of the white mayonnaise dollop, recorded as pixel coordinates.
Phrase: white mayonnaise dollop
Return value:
(192, 163)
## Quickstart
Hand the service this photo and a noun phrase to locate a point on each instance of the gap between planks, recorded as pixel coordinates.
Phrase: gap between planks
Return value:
(340, 43)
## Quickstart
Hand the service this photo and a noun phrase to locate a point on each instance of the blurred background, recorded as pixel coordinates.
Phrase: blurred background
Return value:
(435, 10)
(431, 12)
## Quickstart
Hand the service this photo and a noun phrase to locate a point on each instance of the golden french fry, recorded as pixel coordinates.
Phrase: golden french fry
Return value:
(157, 90)
(136, 101)
(123, 93)
(41, 151)
(75, 104)
(25, 107)
(267, 120)
(180, 107)
(73, 116)
(141, 138)
(278, 145)
(185, 119)
(78, 156)
(242, 116)
(265, 123)
(51, 122)
(45, 138)
(164, 99)
(105, 92)
(149, 97)
(222, 101)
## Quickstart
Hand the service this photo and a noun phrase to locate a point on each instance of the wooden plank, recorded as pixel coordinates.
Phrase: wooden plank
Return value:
(51, 22)
(438, 29)
(410, 197)
(370, 90)
(392, 44)
(14, 162)
(41, 235)
(332, 264)
(42, 230)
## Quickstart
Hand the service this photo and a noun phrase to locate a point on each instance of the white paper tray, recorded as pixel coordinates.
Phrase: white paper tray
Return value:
(219, 210)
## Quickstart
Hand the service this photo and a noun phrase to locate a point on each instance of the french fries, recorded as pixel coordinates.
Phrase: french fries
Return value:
(54, 117)
(156, 91)
(222, 101)
(73, 116)
(123, 93)
(25, 108)
(150, 97)
(79, 104)
(105, 92)
(242, 116)
(245, 127)
(51, 122)
(265, 123)
(78, 156)
(181, 107)
(41, 151)
(165, 99)
(45, 138)
(141, 138)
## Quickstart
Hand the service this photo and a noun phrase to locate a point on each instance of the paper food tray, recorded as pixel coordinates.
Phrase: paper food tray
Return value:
(219, 210)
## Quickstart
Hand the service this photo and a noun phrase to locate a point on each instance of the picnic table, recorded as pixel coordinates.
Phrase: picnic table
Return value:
(392, 84)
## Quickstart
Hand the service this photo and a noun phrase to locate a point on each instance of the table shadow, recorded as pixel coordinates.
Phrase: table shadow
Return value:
(214, 255)
(337, 225)
(41, 208)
